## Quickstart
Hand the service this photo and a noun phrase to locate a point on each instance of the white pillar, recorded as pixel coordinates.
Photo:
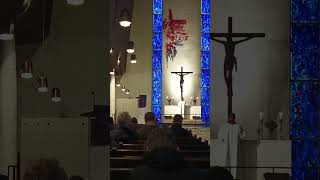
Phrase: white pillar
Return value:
(112, 96)
(8, 105)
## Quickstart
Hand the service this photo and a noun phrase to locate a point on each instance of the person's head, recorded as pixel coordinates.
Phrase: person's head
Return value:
(149, 118)
(219, 173)
(177, 120)
(232, 117)
(159, 138)
(124, 119)
(134, 120)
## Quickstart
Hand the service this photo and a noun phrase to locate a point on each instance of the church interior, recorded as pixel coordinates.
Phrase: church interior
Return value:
(159, 89)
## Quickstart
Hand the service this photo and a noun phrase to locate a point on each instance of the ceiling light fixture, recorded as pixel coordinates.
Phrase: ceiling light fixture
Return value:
(133, 59)
(118, 84)
(125, 18)
(130, 49)
(56, 95)
(8, 33)
(43, 84)
(26, 70)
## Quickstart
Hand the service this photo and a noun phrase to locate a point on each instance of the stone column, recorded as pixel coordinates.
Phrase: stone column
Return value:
(112, 96)
(8, 105)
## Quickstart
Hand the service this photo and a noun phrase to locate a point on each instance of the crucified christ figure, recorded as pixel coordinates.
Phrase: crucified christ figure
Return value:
(181, 74)
(230, 60)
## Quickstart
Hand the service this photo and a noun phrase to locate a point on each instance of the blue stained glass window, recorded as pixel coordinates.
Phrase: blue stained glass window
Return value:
(305, 105)
(157, 41)
(157, 112)
(157, 7)
(157, 59)
(205, 113)
(205, 42)
(305, 10)
(205, 23)
(205, 6)
(305, 91)
(157, 23)
(205, 61)
(305, 52)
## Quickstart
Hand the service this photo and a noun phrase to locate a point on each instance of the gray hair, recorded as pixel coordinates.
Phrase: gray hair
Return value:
(123, 119)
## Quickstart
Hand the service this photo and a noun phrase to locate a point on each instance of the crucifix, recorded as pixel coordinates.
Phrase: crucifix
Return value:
(181, 74)
(230, 60)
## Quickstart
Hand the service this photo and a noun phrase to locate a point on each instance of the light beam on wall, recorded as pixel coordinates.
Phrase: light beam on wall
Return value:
(157, 60)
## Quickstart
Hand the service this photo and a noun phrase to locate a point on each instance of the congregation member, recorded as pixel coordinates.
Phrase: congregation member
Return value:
(177, 129)
(46, 169)
(163, 160)
(150, 124)
(124, 131)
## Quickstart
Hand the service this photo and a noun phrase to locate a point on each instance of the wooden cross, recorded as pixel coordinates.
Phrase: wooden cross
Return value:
(181, 74)
(230, 60)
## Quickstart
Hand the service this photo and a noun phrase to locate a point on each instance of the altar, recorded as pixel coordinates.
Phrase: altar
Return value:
(188, 112)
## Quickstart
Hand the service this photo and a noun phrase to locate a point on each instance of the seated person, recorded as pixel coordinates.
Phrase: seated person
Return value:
(163, 160)
(124, 131)
(177, 129)
(46, 169)
(150, 124)
(134, 120)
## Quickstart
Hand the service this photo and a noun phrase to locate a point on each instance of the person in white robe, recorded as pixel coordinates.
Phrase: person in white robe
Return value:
(229, 136)
(181, 107)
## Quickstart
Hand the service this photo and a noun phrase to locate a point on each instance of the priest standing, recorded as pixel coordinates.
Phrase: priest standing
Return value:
(228, 136)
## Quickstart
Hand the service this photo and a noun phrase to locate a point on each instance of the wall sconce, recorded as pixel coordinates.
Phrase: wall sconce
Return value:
(127, 92)
(123, 89)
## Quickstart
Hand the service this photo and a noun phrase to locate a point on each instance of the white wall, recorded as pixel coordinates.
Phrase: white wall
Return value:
(188, 55)
(74, 58)
(138, 76)
(262, 80)
(66, 139)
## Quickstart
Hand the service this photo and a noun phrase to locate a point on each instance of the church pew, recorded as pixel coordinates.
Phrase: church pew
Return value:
(178, 142)
(123, 173)
(186, 153)
(132, 162)
(182, 146)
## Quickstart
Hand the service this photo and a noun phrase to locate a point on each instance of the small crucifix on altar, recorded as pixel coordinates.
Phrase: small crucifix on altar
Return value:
(230, 60)
(181, 74)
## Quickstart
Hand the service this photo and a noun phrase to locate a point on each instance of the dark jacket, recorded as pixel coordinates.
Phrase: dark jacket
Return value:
(179, 132)
(165, 164)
